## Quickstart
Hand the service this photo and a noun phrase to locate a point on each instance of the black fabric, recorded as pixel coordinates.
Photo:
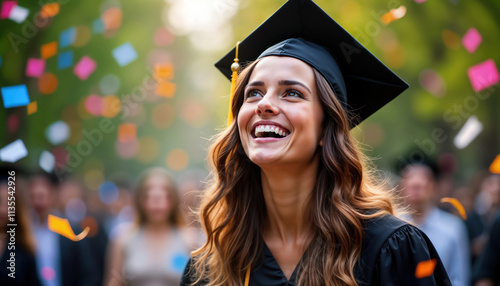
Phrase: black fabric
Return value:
(391, 251)
(25, 268)
(352, 71)
(488, 263)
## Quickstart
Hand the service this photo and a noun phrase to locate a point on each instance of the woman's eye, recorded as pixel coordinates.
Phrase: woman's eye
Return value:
(253, 93)
(294, 93)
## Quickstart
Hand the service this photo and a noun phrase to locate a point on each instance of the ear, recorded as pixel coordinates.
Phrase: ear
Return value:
(321, 142)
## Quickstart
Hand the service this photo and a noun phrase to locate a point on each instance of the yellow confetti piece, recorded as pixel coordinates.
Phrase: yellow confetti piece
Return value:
(495, 166)
(62, 227)
(425, 268)
(32, 107)
(454, 202)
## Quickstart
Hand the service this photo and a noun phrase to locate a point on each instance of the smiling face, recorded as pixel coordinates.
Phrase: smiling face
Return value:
(280, 120)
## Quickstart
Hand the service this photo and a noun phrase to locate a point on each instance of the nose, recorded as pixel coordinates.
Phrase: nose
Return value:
(267, 106)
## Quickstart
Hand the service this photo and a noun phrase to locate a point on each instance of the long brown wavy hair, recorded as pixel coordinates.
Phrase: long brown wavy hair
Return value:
(232, 211)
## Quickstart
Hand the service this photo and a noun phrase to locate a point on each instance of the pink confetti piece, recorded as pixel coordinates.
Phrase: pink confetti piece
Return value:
(35, 67)
(483, 75)
(420, 1)
(85, 67)
(7, 7)
(471, 40)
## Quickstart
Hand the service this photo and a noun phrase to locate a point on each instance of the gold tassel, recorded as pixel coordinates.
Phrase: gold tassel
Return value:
(234, 67)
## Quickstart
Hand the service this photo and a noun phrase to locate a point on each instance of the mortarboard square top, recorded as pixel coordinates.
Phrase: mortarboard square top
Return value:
(302, 30)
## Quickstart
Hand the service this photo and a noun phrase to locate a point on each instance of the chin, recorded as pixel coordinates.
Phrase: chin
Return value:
(264, 158)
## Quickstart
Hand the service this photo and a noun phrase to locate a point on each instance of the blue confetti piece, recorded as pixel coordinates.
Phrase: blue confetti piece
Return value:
(98, 26)
(179, 262)
(67, 37)
(14, 96)
(65, 60)
(124, 54)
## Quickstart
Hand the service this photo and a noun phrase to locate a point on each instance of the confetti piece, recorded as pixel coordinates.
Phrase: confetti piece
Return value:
(58, 132)
(47, 83)
(12, 123)
(62, 227)
(471, 40)
(7, 7)
(85, 67)
(124, 54)
(14, 96)
(35, 67)
(425, 268)
(49, 10)
(32, 107)
(98, 26)
(163, 71)
(454, 202)
(65, 60)
(432, 82)
(13, 152)
(179, 261)
(47, 161)
(127, 132)
(393, 14)
(165, 89)
(469, 132)
(67, 37)
(483, 75)
(49, 50)
(495, 166)
(112, 18)
(18, 14)
(420, 1)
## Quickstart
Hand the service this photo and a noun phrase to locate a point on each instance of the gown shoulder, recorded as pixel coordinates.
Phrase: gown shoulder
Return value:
(392, 249)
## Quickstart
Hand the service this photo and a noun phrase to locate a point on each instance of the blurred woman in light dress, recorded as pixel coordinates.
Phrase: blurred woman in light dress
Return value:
(156, 250)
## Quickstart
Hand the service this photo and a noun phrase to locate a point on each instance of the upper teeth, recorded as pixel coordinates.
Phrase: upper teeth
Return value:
(270, 128)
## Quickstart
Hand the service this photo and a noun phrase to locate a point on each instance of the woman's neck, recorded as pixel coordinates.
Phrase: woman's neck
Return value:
(286, 192)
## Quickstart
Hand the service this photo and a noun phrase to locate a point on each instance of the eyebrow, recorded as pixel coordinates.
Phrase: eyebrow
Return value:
(281, 82)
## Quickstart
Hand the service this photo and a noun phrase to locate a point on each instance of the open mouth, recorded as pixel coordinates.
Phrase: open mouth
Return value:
(270, 131)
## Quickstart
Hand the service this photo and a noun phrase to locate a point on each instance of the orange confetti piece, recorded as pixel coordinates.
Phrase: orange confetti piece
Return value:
(49, 10)
(425, 268)
(165, 89)
(47, 83)
(32, 107)
(454, 202)
(49, 50)
(111, 106)
(62, 227)
(393, 15)
(127, 132)
(495, 166)
(164, 71)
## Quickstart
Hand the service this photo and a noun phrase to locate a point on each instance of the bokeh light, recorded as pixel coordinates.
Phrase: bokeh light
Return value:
(149, 149)
(177, 159)
(163, 115)
(75, 210)
(109, 84)
(47, 83)
(58, 132)
(93, 179)
(108, 192)
(111, 106)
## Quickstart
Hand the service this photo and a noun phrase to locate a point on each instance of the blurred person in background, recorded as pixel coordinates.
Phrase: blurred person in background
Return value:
(486, 205)
(156, 251)
(119, 213)
(487, 268)
(446, 231)
(60, 261)
(24, 245)
(73, 196)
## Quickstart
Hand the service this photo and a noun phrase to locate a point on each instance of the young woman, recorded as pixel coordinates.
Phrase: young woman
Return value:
(155, 252)
(293, 201)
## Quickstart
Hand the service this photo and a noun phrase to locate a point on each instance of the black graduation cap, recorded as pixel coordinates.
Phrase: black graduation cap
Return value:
(302, 30)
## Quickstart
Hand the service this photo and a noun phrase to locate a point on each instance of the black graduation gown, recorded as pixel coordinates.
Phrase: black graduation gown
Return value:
(391, 251)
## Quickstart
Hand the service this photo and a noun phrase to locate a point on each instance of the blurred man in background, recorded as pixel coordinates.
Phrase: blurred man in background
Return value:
(446, 231)
(60, 261)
